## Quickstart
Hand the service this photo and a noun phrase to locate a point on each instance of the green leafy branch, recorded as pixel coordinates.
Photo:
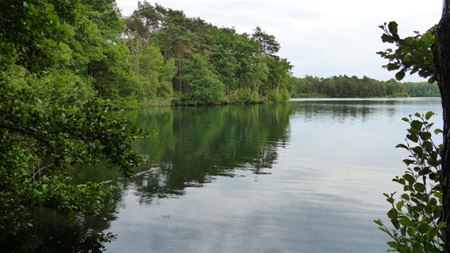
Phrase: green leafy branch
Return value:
(415, 215)
(411, 54)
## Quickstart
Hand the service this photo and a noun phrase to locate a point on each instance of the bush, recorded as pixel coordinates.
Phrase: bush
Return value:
(278, 96)
(244, 96)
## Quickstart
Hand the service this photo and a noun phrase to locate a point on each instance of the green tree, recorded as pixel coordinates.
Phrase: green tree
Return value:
(153, 74)
(278, 83)
(268, 43)
(206, 86)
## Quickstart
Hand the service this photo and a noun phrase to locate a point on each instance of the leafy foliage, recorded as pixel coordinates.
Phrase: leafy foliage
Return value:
(42, 136)
(415, 214)
(205, 86)
(152, 73)
(57, 58)
(411, 54)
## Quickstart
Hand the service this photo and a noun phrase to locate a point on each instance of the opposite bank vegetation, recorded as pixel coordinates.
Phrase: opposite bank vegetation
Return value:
(354, 87)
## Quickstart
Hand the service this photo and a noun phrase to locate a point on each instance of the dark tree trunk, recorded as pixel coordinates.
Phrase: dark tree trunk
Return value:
(442, 60)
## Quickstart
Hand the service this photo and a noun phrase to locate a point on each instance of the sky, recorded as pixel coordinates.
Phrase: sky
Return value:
(319, 37)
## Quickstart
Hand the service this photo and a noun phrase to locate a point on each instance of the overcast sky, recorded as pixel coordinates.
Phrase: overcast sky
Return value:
(319, 37)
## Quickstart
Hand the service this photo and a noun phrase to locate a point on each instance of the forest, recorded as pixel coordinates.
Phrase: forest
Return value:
(189, 61)
(354, 87)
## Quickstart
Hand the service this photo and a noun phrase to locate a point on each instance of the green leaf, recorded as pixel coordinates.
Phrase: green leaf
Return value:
(387, 38)
(378, 222)
(425, 135)
(408, 161)
(409, 178)
(392, 214)
(428, 115)
(418, 150)
(428, 145)
(390, 200)
(417, 248)
(412, 137)
(405, 196)
(415, 124)
(393, 245)
(400, 204)
(423, 228)
(393, 27)
(401, 146)
(400, 75)
(405, 221)
(392, 66)
(442, 225)
(419, 187)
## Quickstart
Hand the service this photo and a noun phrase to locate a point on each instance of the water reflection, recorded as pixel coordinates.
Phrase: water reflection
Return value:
(188, 147)
(329, 162)
(57, 232)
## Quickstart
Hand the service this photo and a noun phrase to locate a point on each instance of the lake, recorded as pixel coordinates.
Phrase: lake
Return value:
(306, 176)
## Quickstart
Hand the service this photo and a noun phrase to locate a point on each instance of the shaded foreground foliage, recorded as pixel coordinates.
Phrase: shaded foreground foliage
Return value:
(428, 55)
(56, 57)
(415, 213)
(40, 140)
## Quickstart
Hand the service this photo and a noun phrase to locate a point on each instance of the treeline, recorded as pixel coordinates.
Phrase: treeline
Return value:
(193, 62)
(354, 87)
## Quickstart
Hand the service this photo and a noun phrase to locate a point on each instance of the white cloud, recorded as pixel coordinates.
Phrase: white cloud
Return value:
(321, 37)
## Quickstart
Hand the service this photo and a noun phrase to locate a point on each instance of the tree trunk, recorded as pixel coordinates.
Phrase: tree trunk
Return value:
(442, 61)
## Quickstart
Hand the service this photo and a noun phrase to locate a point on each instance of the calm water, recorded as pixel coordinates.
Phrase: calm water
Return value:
(307, 176)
